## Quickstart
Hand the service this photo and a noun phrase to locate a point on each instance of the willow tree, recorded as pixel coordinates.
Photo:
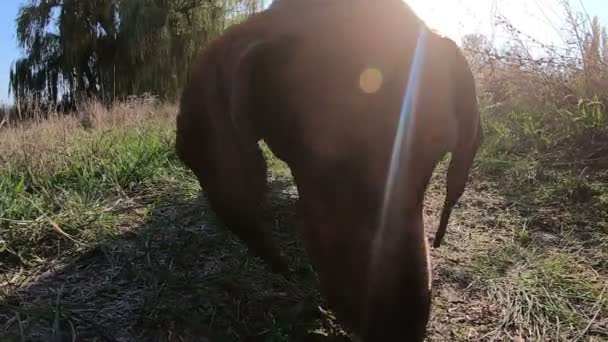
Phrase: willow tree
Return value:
(112, 48)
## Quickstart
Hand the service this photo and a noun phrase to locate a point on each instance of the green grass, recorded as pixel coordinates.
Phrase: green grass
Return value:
(104, 235)
(551, 275)
(73, 201)
(544, 295)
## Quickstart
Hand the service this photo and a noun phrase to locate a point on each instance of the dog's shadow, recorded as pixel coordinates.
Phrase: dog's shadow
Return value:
(178, 276)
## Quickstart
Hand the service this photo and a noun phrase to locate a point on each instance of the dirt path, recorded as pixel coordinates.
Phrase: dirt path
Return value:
(460, 312)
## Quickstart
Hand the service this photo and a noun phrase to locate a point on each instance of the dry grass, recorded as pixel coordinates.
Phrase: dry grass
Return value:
(525, 74)
(38, 142)
(132, 253)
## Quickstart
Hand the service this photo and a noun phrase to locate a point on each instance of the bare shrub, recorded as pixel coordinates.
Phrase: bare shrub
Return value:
(529, 75)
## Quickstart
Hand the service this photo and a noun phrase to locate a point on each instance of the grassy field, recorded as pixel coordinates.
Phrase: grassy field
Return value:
(105, 236)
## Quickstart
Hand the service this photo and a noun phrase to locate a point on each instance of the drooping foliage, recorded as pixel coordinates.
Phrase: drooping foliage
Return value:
(111, 49)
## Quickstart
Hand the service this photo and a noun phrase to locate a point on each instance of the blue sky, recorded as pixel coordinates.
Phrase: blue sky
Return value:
(8, 42)
(453, 18)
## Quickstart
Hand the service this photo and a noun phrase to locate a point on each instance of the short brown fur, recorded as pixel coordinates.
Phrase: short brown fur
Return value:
(290, 75)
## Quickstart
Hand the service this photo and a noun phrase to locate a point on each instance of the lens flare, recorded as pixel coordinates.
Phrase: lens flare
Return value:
(370, 80)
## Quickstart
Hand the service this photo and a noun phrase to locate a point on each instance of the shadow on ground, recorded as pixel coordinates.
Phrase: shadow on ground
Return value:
(180, 276)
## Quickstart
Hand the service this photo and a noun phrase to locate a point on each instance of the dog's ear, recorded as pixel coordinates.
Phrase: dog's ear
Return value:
(255, 64)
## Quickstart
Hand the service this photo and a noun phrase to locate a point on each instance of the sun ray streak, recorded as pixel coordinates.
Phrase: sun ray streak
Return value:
(403, 135)
(401, 141)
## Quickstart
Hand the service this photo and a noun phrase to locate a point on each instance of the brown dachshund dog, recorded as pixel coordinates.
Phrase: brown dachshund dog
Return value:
(323, 83)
